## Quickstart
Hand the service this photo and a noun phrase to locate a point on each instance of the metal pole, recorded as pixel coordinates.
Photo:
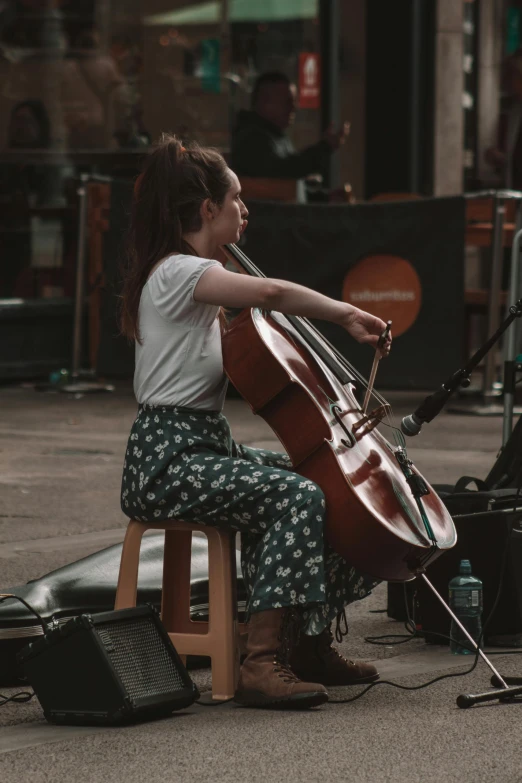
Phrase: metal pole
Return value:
(470, 638)
(415, 97)
(330, 113)
(490, 370)
(77, 386)
(511, 341)
(518, 225)
(333, 67)
(80, 277)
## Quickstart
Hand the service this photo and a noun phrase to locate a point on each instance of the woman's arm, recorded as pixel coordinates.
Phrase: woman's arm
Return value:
(216, 286)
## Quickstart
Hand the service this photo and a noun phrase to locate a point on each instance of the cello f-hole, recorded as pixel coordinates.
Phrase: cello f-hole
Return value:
(352, 441)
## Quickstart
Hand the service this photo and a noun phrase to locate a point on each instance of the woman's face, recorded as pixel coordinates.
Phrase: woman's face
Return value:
(230, 222)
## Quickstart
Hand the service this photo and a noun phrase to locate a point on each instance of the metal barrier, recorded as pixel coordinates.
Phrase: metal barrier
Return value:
(499, 211)
(510, 347)
(491, 387)
(82, 381)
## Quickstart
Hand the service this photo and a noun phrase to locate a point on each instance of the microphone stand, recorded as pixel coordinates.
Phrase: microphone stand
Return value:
(507, 689)
(462, 377)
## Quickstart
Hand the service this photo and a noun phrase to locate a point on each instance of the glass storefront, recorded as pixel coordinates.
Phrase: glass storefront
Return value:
(86, 85)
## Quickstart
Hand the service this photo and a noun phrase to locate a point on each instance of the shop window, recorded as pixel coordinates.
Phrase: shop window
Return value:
(86, 85)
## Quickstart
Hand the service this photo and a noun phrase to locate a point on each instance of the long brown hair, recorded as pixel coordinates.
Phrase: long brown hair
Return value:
(167, 198)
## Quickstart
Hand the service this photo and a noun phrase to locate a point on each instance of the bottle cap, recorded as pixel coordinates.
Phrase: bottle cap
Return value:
(465, 567)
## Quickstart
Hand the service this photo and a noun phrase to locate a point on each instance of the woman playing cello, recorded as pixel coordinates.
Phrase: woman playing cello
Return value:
(181, 460)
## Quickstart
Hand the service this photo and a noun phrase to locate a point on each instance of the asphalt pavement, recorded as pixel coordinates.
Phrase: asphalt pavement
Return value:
(60, 470)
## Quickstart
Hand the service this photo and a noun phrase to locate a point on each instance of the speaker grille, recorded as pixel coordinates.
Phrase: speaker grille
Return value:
(140, 657)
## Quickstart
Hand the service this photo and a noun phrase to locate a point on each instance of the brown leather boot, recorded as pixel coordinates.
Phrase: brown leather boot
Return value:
(266, 679)
(315, 659)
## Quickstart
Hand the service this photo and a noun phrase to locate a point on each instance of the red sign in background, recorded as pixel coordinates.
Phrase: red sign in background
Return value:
(309, 96)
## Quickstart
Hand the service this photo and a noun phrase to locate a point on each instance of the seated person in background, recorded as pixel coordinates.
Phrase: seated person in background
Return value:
(260, 146)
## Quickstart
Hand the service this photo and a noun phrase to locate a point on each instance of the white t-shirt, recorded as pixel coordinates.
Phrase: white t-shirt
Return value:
(179, 361)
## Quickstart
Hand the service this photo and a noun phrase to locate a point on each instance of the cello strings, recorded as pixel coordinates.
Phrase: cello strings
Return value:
(335, 354)
(341, 360)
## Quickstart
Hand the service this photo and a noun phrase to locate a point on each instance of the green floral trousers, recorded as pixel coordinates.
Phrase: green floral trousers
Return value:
(183, 463)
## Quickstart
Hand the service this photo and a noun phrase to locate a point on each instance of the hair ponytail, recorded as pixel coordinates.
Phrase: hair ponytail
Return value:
(167, 198)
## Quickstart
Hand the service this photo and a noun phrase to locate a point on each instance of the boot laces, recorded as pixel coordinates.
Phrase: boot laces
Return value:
(339, 631)
(341, 656)
(341, 620)
(284, 671)
(288, 638)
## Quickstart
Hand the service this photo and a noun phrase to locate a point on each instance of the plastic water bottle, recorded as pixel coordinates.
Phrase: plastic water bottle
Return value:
(465, 600)
(59, 377)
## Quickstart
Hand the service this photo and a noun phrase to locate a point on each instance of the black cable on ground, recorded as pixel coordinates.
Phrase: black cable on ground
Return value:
(5, 596)
(414, 633)
(21, 697)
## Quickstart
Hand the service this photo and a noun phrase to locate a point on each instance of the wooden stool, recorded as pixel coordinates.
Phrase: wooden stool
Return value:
(219, 638)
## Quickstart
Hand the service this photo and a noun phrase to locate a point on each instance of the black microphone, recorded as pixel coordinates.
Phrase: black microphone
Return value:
(432, 405)
(411, 425)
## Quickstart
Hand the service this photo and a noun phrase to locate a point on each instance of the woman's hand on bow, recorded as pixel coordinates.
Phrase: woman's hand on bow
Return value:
(367, 328)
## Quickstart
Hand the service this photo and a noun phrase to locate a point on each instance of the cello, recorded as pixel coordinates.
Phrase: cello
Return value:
(381, 515)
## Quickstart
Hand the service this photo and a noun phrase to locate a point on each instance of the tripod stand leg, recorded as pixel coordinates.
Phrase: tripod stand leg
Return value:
(507, 680)
(470, 638)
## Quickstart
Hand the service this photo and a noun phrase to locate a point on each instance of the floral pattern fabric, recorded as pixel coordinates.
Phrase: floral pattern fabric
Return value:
(184, 464)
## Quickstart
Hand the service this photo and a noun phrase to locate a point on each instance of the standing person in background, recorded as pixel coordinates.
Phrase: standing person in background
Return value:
(96, 99)
(506, 156)
(261, 147)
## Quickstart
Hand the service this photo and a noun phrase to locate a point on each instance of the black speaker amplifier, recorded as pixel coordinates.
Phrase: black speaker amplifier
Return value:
(108, 668)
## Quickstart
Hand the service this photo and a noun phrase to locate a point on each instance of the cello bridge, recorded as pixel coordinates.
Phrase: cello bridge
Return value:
(371, 419)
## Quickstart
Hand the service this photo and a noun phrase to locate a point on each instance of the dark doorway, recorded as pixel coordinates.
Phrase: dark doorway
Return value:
(400, 50)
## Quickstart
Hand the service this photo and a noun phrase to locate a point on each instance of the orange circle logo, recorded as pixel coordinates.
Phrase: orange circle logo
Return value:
(385, 286)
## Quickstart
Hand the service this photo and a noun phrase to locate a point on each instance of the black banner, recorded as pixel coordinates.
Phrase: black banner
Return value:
(404, 258)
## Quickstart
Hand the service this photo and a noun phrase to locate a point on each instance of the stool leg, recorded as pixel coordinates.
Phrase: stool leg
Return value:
(175, 597)
(130, 560)
(223, 613)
